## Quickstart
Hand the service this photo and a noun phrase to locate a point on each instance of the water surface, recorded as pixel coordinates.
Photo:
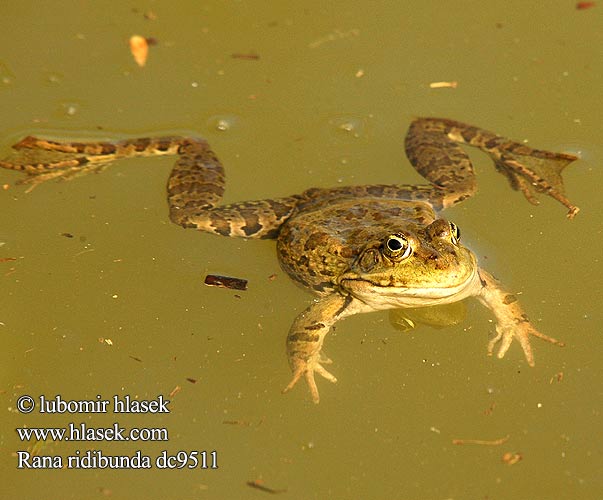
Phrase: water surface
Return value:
(106, 296)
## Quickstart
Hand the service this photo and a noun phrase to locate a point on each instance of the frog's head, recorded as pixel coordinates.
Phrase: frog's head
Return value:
(413, 266)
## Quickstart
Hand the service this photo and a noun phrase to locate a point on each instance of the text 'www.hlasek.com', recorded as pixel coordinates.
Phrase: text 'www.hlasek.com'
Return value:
(81, 432)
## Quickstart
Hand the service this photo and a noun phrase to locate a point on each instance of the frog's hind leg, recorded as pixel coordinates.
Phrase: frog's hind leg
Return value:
(195, 189)
(536, 171)
(38, 172)
(41, 172)
(439, 159)
(431, 145)
(529, 170)
(45, 159)
(195, 186)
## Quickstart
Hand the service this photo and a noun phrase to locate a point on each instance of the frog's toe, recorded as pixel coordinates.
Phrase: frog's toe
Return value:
(546, 338)
(494, 340)
(312, 386)
(521, 332)
(296, 376)
(505, 335)
(325, 373)
(307, 371)
(324, 359)
(309, 376)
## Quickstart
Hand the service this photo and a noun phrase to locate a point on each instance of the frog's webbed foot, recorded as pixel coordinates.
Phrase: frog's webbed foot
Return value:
(431, 147)
(520, 331)
(533, 171)
(511, 321)
(33, 180)
(307, 369)
(44, 160)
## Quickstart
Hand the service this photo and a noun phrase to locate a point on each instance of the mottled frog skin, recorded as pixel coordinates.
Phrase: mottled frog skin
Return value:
(359, 248)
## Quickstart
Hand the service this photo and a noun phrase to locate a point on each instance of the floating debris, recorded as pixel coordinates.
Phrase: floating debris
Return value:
(251, 56)
(443, 85)
(584, 5)
(242, 423)
(258, 484)
(557, 377)
(139, 48)
(226, 282)
(511, 458)
(494, 442)
(333, 36)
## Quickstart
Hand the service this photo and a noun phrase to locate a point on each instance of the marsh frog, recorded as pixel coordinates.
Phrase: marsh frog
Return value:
(358, 248)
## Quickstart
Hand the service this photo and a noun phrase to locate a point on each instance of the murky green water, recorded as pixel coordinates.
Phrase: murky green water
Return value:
(130, 278)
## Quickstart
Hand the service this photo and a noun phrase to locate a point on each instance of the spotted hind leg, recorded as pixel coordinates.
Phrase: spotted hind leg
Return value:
(195, 189)
(195, 186)
(45, 159)
(432, 145)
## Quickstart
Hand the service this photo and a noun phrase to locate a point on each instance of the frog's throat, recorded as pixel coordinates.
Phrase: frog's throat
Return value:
(386, 297)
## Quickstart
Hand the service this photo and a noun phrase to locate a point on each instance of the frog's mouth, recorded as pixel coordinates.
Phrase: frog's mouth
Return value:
(381, 295)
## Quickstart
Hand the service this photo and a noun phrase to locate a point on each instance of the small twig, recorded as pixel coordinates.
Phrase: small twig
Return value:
(485, 442)
(258, 485)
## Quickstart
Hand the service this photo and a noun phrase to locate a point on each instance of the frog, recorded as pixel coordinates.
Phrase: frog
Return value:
(360, 248)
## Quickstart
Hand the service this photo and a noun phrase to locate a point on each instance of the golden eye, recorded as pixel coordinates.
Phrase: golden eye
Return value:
(455, 233)
(397, 247)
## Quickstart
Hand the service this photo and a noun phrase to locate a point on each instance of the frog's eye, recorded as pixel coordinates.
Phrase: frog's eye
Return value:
(455, 233)
(397, 247)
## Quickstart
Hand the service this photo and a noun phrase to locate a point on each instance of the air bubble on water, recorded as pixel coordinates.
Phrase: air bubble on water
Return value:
(70, 109)
(348, 125)
(53, 78)
(222, 123)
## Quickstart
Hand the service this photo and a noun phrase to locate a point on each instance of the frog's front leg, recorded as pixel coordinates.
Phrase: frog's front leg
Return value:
(511, 320)
(307, 333)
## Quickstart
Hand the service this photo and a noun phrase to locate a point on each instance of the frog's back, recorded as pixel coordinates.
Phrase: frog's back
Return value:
(319, 243)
